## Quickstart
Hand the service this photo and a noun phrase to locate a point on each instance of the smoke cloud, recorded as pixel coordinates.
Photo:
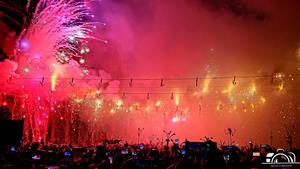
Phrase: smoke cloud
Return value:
(188, 38)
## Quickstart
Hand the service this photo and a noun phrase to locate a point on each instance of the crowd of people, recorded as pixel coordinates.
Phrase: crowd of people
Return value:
(187, 155)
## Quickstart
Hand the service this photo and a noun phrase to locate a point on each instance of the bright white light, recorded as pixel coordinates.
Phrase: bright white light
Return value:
(174, 119)
(71, 38)
(26, 69)
(81, 61)
(80, 34)
(24, 44)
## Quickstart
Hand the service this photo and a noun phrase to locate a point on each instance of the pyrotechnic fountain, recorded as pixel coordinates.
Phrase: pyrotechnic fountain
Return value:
(50, 54)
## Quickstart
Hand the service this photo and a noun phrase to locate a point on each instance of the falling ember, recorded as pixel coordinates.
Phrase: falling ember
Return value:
(54, 79)
(119, 104)
(280, 87)
(206, 84)
(98, 103)
(252, 105)
(262, 100)
(253, 89)
(229, 89)
(112, 111)
(158, 103)
(219, 107)
(177, 99)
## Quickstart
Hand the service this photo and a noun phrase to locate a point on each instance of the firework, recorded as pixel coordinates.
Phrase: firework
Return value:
(59, 29)
(50, 46)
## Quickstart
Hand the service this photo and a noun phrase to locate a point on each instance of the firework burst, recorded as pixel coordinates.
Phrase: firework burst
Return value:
(58, 29)
(52, 44)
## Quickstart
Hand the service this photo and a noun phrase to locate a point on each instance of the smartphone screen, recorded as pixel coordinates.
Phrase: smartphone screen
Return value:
(183, 152)
(13, 149)
(256, 154)
(141, 146)
(53, 167)
(67, 153)
(110, 159)
(36, 157)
